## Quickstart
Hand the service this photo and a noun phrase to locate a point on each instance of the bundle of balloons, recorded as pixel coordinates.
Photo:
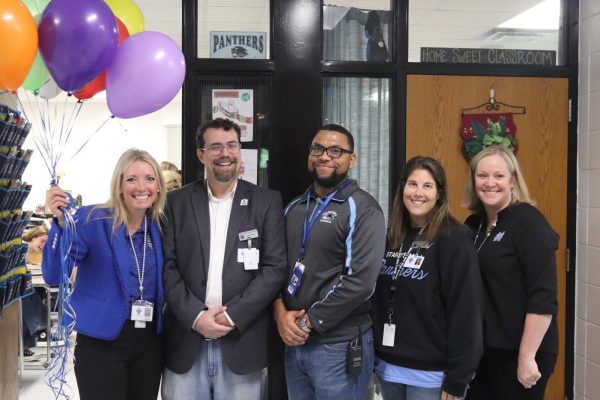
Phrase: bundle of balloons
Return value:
(83, 47)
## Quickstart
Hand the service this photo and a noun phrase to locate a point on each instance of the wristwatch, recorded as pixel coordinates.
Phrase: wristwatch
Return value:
(302, 324)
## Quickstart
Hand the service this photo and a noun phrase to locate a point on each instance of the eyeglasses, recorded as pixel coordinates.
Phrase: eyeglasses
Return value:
(217, 148)
(333, 152)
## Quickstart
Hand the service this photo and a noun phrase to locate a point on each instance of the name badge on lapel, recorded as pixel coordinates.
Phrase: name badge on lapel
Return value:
(250, 255)
(247, 235)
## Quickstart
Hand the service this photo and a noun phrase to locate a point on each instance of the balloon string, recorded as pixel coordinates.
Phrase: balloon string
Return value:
(42, 147)
(72, 116)
(120, 124)
(91, 136)
(42, 111)
(70, 126)
(62, 132)
(57, 371)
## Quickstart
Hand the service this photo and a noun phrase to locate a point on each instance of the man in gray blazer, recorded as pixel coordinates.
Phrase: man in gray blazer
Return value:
(225, 262)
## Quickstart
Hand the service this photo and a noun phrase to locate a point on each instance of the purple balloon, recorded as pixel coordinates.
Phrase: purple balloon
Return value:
(78, 40)
(146, 73)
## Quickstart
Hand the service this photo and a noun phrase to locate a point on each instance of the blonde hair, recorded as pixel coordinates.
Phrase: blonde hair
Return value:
(519, 193)
(168, 166)
(172, 180)
(116, 201)
(35, 232)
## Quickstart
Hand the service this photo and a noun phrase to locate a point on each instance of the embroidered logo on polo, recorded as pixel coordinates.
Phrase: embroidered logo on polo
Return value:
(499, 236)
(328, 216)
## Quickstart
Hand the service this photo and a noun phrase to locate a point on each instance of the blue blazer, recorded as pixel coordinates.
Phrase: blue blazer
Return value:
(101, 295)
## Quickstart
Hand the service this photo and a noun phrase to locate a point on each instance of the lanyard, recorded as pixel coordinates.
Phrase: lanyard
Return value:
(399, 264)
(308, 224)
(487, 235)
(137, 263)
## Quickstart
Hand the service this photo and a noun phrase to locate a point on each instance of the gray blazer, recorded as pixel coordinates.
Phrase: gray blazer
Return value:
(247, 294)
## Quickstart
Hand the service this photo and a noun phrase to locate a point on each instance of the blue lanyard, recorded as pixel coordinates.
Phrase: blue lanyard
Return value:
(308, 224)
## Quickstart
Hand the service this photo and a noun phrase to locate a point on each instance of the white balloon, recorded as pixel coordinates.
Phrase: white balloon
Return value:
(49, 89)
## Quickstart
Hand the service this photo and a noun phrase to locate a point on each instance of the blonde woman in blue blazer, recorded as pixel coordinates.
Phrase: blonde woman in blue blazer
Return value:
(118, 252)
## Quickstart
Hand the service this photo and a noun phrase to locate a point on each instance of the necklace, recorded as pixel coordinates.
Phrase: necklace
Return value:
(137, 263)
(487, 235)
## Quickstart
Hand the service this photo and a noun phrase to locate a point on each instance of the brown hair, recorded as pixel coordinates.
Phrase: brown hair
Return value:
(217, 123)
(439, 217)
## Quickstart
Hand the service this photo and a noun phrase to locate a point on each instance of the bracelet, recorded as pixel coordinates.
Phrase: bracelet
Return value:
(302, 324)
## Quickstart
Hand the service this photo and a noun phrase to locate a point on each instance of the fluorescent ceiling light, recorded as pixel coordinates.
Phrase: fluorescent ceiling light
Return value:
(544, 15)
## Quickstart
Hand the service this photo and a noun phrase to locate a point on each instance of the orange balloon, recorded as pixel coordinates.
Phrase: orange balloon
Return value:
(18, 33)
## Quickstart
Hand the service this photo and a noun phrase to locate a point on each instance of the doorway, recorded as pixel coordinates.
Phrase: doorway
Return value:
(433, 122)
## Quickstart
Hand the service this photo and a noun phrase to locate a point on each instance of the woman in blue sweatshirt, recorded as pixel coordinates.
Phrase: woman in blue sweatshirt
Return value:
(427, 311)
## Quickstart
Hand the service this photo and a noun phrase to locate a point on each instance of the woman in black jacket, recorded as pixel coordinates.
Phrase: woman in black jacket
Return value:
(427, 305)
(516, 248)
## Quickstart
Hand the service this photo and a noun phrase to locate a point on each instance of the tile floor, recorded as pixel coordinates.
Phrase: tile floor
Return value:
(33, 381)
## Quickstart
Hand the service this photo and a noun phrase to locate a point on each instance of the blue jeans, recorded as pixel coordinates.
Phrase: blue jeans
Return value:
(34, 318)
(210, 379)
(399, 391)
(318, 371)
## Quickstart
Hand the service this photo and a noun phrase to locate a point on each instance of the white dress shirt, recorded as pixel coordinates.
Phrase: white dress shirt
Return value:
(220, 210)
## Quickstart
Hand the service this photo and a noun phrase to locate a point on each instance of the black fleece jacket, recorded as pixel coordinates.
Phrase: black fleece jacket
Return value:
(437, 309)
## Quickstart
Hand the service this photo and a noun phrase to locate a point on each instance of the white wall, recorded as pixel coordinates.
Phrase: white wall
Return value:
(587, 325)
(88, 173)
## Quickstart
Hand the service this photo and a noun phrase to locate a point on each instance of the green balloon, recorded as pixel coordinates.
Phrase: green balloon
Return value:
(36, 7)
(38, 74)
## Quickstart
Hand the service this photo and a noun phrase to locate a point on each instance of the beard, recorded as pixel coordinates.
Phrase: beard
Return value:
(330, 181)
(225, 176)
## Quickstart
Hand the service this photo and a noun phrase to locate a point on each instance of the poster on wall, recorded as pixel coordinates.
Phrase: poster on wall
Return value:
(249, 167)
(238, 45)
(236, 105)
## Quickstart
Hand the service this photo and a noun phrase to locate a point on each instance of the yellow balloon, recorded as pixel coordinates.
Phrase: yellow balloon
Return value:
(129, 13)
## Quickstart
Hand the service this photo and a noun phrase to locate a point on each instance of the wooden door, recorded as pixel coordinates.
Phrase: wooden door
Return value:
(433, 121)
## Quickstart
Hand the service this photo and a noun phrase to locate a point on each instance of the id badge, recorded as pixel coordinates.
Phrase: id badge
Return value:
(141, 312)
(250, 258)
(296, 278)
(414, 261)
(389, 334)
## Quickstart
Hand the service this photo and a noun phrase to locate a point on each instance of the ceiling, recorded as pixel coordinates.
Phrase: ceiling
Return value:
(432, 23)
(163, 16)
